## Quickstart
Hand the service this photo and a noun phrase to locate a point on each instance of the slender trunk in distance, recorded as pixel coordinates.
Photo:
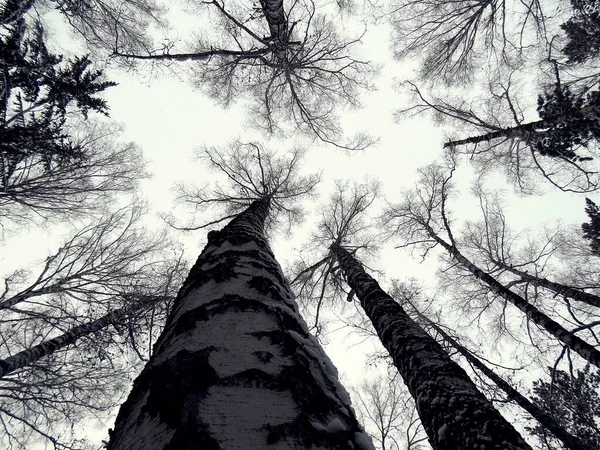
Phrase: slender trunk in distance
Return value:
(235, 367)
(453, 412)
(545, 419)
(30, 355)
(523, 131)
(560, 289)
(578, 345)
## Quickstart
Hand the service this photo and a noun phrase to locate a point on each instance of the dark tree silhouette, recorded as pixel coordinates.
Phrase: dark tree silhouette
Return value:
(388, 408)
(583, 31)
(104, 258)
(97, 22)
(37, 90)
(573, 401)
(567, 122)
(288, 59)
(527, 265)
(46, 348)
(439, 386)
(72, 333)
(250, 171)
(591, 230)
(48, 164)
(557, 148)
(317, 284)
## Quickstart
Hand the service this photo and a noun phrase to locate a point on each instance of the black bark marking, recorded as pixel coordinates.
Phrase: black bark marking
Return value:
(174, 388)
(263, 357)
(196, 439)
(264, 285)
(313, 438)
(316, 405)
(178, 385)
(213, 236)
(281, 339)
(222, 271)
(187, 321)
(237, 303)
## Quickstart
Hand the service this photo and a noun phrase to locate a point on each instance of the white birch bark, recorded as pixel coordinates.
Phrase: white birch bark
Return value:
(236, 367)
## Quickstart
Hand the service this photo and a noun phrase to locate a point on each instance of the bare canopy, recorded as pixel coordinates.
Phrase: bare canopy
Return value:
(290, 60)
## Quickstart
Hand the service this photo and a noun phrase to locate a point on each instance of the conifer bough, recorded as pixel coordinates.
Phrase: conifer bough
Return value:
(453, 412)
(235, 367)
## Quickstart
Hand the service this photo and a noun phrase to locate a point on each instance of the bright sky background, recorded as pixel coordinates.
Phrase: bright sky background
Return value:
(169, 120)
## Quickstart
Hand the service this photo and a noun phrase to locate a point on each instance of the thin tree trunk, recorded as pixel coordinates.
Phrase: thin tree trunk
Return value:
(546, 420)
(453, 412)
(30, 355)
(199, 56)
(560, 289)
(525, 130)
(578, 345)
(27, 294)
(235, 367)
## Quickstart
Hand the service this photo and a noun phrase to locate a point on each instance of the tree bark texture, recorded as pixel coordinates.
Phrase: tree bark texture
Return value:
(578, 345)
(524, 131)
(48, 347)
(235, 367)
(453, 412)
(275, 17)
(545, 420)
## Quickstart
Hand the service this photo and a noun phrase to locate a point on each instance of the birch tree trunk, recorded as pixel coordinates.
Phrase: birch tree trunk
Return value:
(546, 420)
(453, 412)
(48, 347)
(560, 289)
(275, 17)
(524, 131)
(578, 345)
(235, 367)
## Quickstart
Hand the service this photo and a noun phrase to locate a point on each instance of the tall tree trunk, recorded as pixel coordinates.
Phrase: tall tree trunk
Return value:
(453, 412)
(235, 367)
(560, 289)
(48, 347)
(275, 17)
(526, 130)
(546, 420)
(578, 345)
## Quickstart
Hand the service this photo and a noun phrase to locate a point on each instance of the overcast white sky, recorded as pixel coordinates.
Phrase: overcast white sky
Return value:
(169, 120)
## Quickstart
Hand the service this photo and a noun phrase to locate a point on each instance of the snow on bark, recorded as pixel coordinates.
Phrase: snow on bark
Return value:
(453, 412)
(235, 367)
(546, 420)
(48, 347)
(575, 343)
